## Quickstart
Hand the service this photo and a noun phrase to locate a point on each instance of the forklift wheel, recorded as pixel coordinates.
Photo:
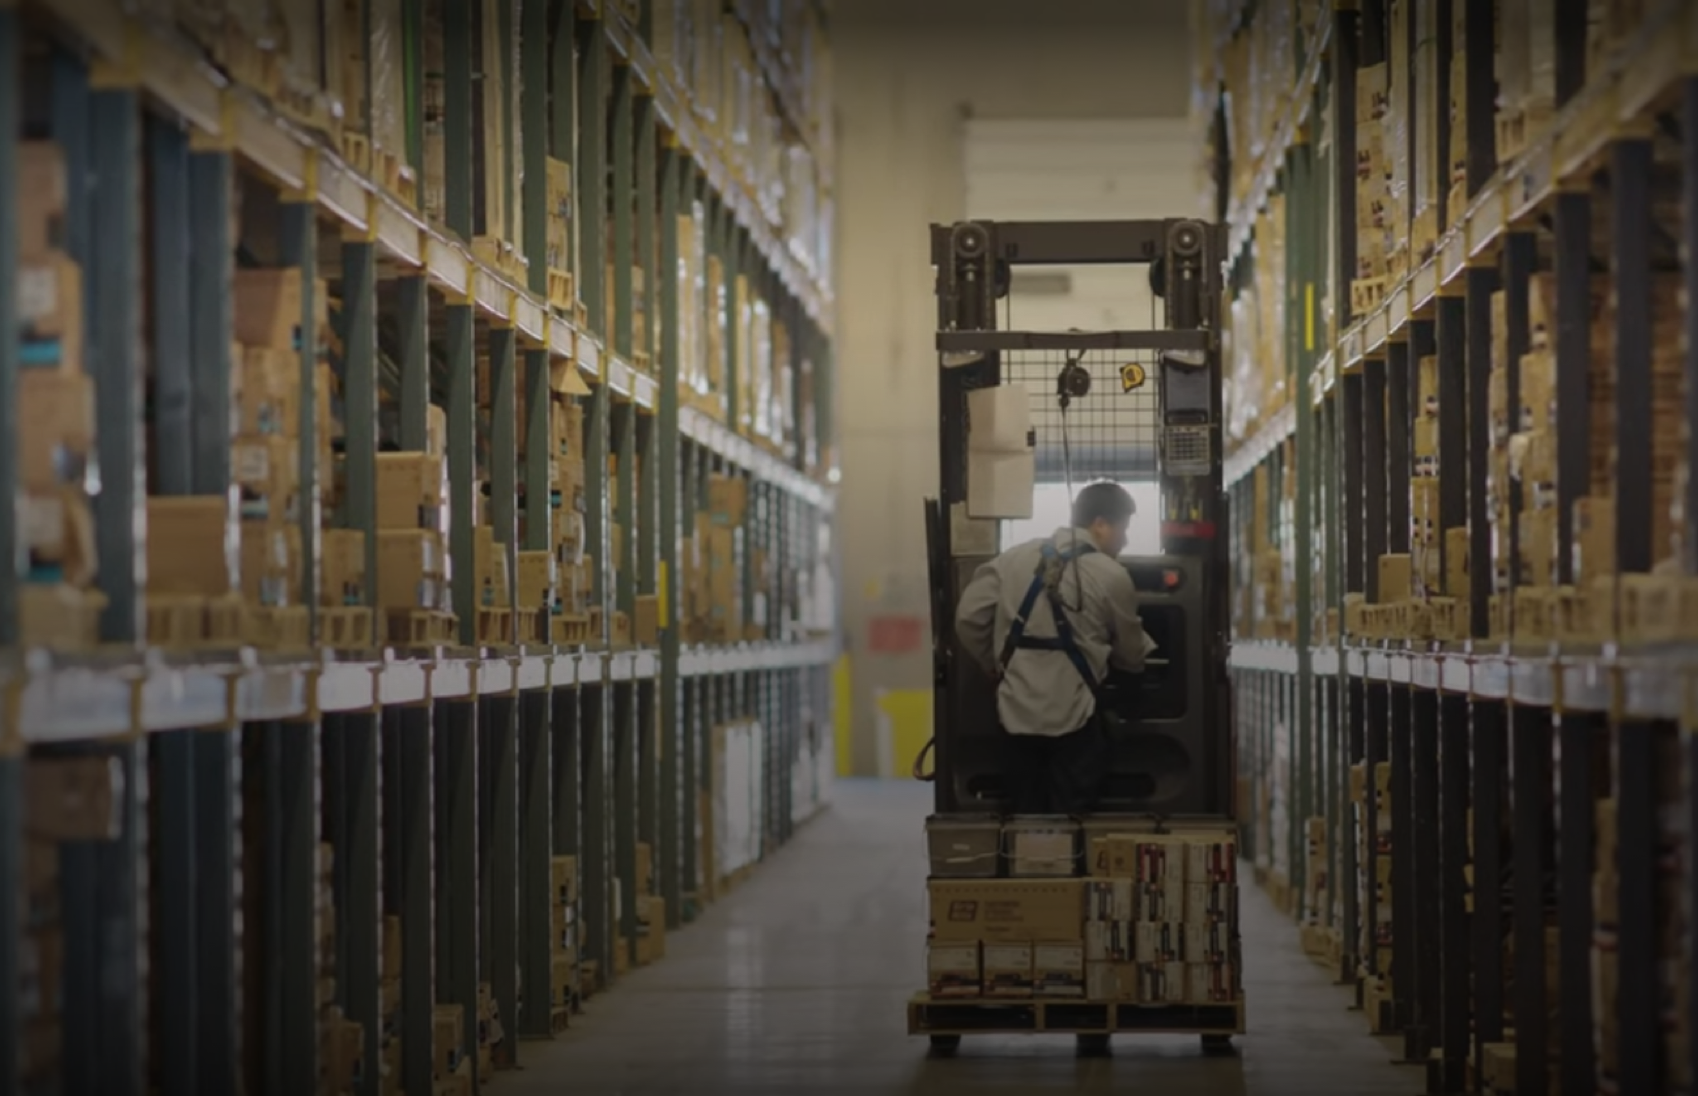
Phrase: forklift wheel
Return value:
(1092, 1045)
(1217, 1044)
(945, 1045)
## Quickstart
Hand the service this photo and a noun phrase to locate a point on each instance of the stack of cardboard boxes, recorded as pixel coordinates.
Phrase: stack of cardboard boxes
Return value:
(412, 571)
(1154, 922)
(1374, 875)
(341, 1041)
(266, 462)
(55, 416)
(563, 900)
(651, 909)
(66, 799)
(1375, 216)
(574, 566)
(450, 1065)
(491, 1035)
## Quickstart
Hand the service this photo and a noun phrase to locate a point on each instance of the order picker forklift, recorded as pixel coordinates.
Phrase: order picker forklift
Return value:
(1147, 406)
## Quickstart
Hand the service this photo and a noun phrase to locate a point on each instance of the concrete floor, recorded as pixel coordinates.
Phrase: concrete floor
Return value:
(796, 985)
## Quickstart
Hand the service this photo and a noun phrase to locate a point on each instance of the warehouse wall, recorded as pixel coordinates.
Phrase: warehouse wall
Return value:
(908, 76)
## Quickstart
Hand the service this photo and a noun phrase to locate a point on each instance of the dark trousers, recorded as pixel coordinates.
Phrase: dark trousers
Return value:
(1058, 774)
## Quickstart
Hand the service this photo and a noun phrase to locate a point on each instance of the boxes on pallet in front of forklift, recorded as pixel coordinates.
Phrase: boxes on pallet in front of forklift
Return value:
(1007, 909)
(952, 968)
(964, 846)
(1041, 847)
(1008, 970)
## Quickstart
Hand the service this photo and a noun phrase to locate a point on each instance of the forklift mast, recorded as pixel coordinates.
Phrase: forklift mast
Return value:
(1173, 750)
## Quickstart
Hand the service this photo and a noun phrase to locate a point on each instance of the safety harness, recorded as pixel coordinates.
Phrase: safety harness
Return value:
(1063, 640)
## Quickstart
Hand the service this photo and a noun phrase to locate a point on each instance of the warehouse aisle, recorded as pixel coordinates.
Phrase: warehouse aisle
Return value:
(797, 983)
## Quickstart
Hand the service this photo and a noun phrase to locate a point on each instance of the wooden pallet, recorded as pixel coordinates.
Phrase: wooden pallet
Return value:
(969, 1016)
(560, 1018)
(175, 620)
(356, 150)
(419, 627)
(495, 625)
(391, 173)
(1516, 130)
(60, 617)
(226, 621)
(531, 624)
(284, 627)
(561, 295)
(1366, 294)
(571, 630)
(346, 629)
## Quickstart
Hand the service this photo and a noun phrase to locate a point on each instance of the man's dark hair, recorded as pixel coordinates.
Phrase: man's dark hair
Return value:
(1108, 501)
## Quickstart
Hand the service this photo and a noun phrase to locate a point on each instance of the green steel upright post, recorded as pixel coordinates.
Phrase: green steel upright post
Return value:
(114, 292)
(674, 191)
(298, 248)
(503, 470)
(1303, 534)
(591, 180)
(624, 205)
(359, 386)
(412, 319)
(460, 351)
(211, 260)
(563, 113)
(533, 66)
(457, 121)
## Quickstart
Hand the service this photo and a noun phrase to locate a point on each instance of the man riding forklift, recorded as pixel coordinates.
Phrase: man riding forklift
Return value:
(1048, 619)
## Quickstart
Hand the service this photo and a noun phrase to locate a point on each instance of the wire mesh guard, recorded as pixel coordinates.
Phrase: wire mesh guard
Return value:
(1111, 433)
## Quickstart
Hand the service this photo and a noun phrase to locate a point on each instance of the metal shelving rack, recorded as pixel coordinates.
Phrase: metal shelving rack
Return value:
(1484, 736)
(444, 782)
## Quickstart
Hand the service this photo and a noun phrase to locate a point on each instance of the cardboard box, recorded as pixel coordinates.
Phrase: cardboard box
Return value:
(412, 491)
(1161, 983)
(1211, 983)
(1058, 969)
(563, 880)
(1110, 899)
(42, 192)
(448, 1039)
(1111, 981)
(563, 980)
(1216, 860)
(489, 563)
(411, 567)
(952, 968)
(55, 421)
(1159, 942)
(1110, 941)
(1208, 903)
(1008, 970)
(269, 309)
(50, 311)
(271, 562)
(73, 798)
(267, 468)
(651, 929)
(1041, 849)
(56, 529)
(1397, 581)
(645, 620)
(193, 546)
(536, 580)
(1008, 909)
(1207, 941)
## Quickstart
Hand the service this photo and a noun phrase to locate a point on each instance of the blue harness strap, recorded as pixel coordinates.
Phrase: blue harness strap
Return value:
(1063, 640)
